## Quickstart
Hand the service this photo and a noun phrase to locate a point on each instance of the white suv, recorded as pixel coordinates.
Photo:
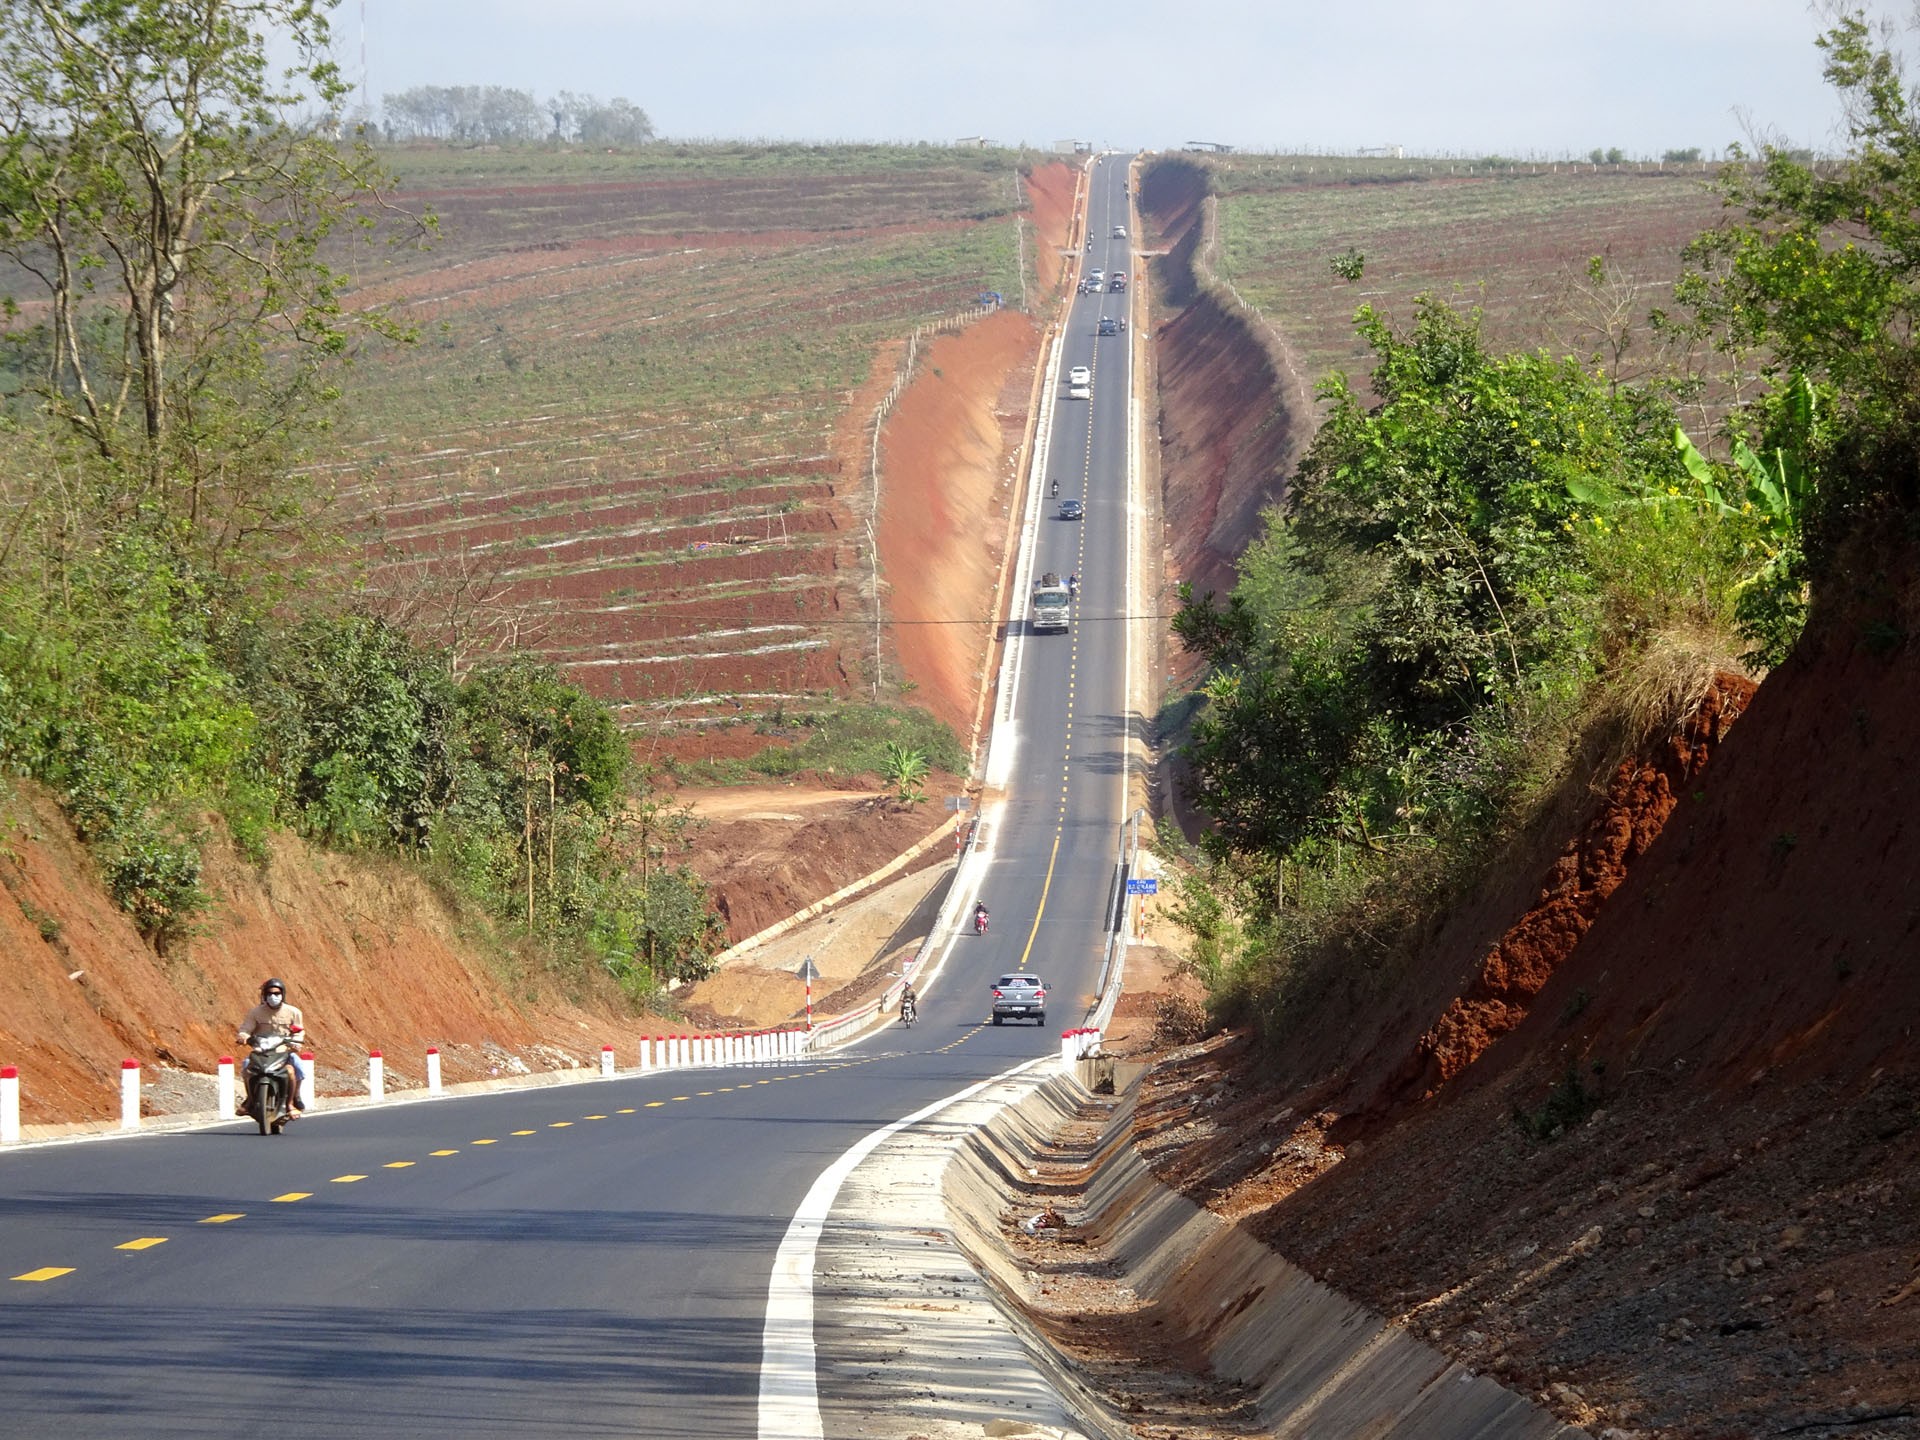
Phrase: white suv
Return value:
(1079, 375)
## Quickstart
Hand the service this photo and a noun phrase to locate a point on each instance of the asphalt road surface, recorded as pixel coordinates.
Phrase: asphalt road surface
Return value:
(587, 1260)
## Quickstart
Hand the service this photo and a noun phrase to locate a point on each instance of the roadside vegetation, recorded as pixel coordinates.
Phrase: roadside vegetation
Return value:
(1491, 557)
(179, 649)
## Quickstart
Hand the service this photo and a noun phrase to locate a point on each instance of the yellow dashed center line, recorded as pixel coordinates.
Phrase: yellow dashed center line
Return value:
(48, 1272)
(398, 1165)
(146, 1242)
(483, 1142)
(526, 1132)
(560, 1125)
(443, 1152)
(291, 1196)
(226, 1218)
(655, 1104)
(348, 1179)
(627, 1111)
(593, 1117)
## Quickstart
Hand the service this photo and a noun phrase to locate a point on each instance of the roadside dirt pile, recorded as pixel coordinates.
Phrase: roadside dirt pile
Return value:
(1229, 432)
(948, 460)
(1667, 1186)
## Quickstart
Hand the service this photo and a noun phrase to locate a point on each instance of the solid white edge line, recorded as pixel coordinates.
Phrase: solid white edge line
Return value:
(789, 1382)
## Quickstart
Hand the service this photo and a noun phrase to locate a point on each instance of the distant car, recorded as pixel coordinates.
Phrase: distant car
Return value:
(1079, 392)
(1119, 232)
(1079, 375)
(1073, 510)
(1097, 278)
(1109, 326)
(1020, 997)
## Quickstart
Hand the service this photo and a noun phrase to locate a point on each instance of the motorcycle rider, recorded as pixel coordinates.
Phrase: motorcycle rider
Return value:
(1073, 583)
(909, 1003)
(979, 917)
(273, 1016)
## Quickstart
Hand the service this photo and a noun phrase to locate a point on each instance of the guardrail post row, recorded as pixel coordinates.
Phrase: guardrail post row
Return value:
(606, 1062)
(433, 1070)
(9, 1105)
(224, 1098)
(309, 1085)
(376, 1076)
(129, 1094)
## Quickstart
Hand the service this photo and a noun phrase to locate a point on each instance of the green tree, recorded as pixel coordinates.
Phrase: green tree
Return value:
(164, 213)
(1817, 270)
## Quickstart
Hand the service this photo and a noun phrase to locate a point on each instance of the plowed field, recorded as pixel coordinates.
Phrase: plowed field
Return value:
(633, 433)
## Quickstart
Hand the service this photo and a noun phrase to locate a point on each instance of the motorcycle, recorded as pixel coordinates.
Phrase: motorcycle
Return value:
(271, 1077)
(979, 922)
(909, 1011)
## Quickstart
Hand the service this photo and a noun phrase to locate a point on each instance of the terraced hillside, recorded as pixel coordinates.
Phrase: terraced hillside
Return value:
(629, 424)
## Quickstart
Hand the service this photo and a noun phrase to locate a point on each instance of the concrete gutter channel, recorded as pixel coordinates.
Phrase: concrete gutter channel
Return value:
(922, 1326)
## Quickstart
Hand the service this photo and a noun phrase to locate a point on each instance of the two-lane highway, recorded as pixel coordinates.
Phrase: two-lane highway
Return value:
(591, 1259)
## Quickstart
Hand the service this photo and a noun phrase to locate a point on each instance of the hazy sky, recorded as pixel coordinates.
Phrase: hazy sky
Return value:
(1509, 76)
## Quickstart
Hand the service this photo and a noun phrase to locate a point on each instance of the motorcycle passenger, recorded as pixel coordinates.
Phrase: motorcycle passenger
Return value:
(273, 1016)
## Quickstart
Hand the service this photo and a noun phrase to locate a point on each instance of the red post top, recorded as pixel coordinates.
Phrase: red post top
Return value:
(433, 1049)
(604, 1049)
(226, 1059)
(129, 1064)
(9, 1072)
(307, 1055)
(373, 1054)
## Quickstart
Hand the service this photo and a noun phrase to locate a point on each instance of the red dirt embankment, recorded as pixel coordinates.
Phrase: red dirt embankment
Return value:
(1052, 192)
(947, 461)
(1707, 1225)
(1227, 435)
(370, 953)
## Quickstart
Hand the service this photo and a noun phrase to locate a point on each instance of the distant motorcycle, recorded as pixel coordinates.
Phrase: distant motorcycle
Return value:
(270, 1075)
(980, 920)
(909, 1011)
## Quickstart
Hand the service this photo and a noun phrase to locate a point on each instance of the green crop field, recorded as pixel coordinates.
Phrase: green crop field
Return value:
(628, 374)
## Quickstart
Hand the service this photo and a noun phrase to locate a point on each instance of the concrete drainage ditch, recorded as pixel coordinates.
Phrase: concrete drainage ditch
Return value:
(980, 1273)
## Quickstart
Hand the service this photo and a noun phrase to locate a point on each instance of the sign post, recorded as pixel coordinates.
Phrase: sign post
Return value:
(1150, 885)
(808, 970)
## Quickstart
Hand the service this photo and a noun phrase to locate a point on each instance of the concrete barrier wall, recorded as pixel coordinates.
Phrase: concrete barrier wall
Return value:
(1321, 1365)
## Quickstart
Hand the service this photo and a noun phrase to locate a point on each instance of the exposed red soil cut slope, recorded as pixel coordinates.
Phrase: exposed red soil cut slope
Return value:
(371, 955)
(1052, 190)
(1677, 1195)
(1227, 438)
(1639, 799)
(947, 458)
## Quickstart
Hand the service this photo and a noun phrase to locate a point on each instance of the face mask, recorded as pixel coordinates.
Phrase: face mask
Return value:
(274, 1001)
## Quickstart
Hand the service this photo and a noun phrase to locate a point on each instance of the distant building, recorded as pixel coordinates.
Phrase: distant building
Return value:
(973, 142)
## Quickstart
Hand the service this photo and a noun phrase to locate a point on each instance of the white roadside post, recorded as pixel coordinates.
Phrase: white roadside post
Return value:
(644, 1043)
(9, 1105)
(308, 1084)
(376, 1076)
(433, 1070)
(606, 1062)
(129, 1094)
(224, 1098)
